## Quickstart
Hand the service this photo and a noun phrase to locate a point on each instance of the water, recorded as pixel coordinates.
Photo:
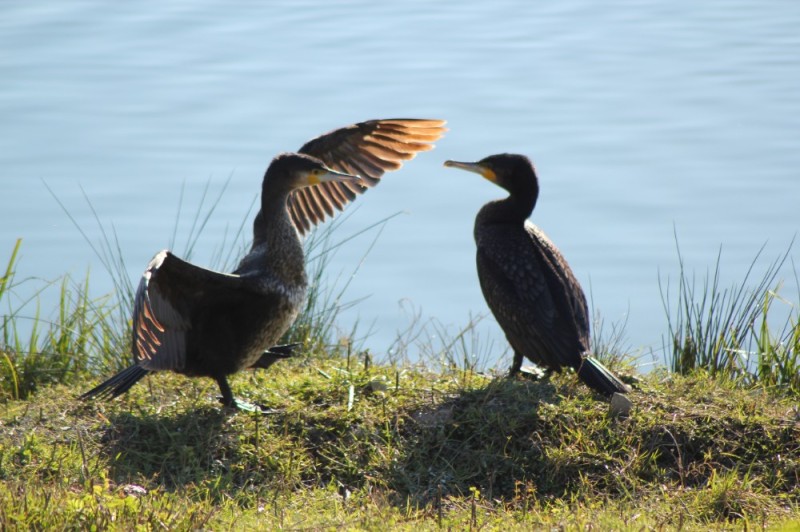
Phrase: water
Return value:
(644, 121)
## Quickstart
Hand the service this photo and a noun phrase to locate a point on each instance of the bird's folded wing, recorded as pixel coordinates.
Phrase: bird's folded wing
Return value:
(572, 297)
(516, 288)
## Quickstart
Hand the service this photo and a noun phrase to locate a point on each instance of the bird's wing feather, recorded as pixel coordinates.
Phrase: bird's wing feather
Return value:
(527, 297)
(168, 291)
(368, 149)
(574, 297)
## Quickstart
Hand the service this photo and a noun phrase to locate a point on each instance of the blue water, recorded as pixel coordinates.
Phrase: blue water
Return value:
(645, 120)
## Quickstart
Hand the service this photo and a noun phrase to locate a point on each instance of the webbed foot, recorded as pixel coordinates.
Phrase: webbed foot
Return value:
(244, 406)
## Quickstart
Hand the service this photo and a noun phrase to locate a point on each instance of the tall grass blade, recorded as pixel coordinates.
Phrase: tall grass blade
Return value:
(717, 329)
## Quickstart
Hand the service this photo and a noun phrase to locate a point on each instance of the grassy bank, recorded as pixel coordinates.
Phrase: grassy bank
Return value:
(712, 441)
(402, 447)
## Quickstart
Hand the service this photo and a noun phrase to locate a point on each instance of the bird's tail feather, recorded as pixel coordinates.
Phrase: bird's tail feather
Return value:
(118, 384)
(599, 378)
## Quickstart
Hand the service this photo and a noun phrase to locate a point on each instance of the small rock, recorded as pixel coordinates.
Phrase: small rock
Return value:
(134, 490)
(620, 406)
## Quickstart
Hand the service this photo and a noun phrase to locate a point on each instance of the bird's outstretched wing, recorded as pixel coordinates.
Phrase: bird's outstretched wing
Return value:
(368, 149)
(168, 292)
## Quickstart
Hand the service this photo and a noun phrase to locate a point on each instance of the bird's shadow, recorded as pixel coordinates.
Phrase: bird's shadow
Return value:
(184, 448)
(486, 437)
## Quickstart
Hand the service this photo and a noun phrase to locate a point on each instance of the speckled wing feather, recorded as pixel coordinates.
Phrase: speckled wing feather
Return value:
(574, 297)
(368, 149)
(522, 284)
(170, 287)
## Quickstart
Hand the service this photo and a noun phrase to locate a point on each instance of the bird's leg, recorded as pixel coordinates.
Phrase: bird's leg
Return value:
(229, 402)
(534, 372)
(516, 365)
(227, 395)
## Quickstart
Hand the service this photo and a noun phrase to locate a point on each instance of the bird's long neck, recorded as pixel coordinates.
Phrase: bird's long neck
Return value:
(277, 248)
(514, 209)
(272, 224)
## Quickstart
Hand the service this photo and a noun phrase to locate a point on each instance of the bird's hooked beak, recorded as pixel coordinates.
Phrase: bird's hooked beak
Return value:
(315, 177)
(477, 168)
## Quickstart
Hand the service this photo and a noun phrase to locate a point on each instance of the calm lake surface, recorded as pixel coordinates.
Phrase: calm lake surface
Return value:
(645, 120)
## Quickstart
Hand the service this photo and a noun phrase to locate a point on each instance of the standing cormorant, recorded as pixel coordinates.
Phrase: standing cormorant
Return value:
(528, 285)
(198, 322)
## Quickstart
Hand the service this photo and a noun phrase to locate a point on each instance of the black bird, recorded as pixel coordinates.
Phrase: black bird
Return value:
(198, 322)
(527, 283)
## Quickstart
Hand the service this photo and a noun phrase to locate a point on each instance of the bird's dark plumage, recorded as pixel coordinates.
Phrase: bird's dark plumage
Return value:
(527, 283)
(198, 322)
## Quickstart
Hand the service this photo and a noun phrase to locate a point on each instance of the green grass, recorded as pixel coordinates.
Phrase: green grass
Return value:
(727, 332)
(407, 448)
(38, 350)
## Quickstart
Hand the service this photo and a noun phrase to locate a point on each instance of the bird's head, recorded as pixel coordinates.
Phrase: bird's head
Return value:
(289, 171)
(513, 172)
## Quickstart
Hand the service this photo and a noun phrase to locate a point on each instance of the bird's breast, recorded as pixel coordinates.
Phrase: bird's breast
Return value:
(279, 316)
(294, 293)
